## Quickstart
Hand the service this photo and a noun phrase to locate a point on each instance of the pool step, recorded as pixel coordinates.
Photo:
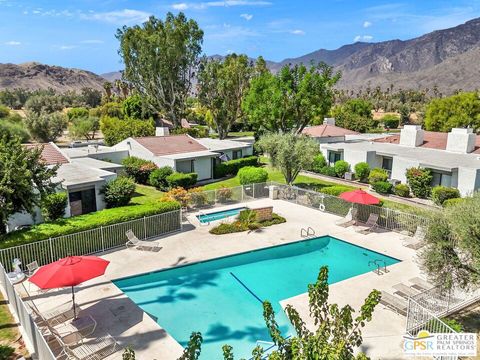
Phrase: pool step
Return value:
(379, 270)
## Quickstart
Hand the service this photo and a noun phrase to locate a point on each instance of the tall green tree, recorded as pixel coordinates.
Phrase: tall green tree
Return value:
(115, 130)
(460, 110)
(451, 256)
(354, 114)
(291, 99)
(337, 333)
(160, 60)
(24, 179)
(45, 127)
(222, 85)
(289, 153)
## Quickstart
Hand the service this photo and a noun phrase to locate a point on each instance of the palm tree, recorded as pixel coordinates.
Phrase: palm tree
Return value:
(125, 87)
(107, 86)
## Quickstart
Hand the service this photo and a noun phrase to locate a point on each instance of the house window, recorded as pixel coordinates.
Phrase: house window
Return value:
(236, 154)
(185, 166)
(387, 163)
(441, 178)
(82, 202)
(334, 156)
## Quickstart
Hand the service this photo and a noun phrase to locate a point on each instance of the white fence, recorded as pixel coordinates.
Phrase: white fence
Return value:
(91, 241)
(29, 329)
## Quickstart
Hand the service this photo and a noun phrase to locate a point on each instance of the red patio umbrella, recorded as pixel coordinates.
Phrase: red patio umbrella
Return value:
(70, 271)
(359, 197)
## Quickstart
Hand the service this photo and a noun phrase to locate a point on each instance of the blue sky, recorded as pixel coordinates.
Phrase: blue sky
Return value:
(82, 33)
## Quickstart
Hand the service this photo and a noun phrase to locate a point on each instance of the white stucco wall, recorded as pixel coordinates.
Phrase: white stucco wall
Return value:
(161, 162)
(203, 167)
(115, 157)
(135, 149)
(400, 166)
(468, 180)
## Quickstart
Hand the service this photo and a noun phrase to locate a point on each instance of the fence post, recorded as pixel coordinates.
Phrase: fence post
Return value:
(243, 190)
(51, 249)
(103, 238)
(253, 191)
(144, 228)
(180, 214)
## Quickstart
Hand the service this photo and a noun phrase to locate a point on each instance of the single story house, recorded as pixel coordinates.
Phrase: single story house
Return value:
(328, 132)
(185, 154)
(453, 158)
(81, 178)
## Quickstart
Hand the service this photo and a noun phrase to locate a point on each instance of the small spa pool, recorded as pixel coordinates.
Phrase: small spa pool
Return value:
(218, 215)
(222, 298)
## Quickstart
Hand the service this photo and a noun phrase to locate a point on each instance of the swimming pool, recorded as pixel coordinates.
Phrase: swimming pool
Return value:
(222, 297)
(218, 215)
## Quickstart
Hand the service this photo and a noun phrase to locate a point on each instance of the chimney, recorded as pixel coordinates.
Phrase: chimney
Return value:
(461, 141)
(329, 121)
(162, 131)
(411, 136)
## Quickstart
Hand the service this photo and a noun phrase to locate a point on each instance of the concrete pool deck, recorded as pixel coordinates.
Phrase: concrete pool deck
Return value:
(117, 315)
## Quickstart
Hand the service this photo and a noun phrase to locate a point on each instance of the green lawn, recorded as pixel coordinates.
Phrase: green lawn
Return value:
(146, 194)
(9, 332)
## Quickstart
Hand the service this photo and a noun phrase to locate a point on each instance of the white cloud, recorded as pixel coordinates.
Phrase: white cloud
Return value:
(297, 32)
(247, 17)
(67, 47)
(92, 41)
(226, 3)
(365, 38)
(367, 24)
(124, 16)
(13, 43)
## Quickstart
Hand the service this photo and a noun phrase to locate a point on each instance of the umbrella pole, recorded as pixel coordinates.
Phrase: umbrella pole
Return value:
(73, 300)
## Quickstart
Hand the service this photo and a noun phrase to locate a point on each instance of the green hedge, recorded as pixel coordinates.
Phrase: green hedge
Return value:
(402, 190)
(182, 180)
(335, 190)
(85, 222)
(442, 193)
(382, 187)
(231, 167)
(239, 226)
(252, 175)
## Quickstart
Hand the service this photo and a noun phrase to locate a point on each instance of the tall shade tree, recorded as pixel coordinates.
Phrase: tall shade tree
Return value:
(291, 99)
(355, 114)
(24, 179)
(337, 333)
(160, 60)
(222, 85)
(290, 153)
(451, 256)
(460, 110)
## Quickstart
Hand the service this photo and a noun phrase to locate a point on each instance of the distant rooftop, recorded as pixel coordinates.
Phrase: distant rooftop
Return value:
(167, 145)
(327, 130)
(51, 155)
(431, 140)
(219, 145)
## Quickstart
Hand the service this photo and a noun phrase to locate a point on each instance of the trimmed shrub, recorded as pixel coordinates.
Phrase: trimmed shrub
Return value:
(419, 181)
(377, 175)
(118, 192)
(86, 222)
(231, 167)
(391, 121)
(382, 187)
(182, 180)
(335, 190)
(402, 190)
(452, 202)
(158, 177)
(442, 193)
(224, 194)
(328, 171)
(341, 167)
(198, 197)
(138, 169)
(252, 175)
(362, 170)
(53, 206)
(178, 194)
(319, 162)
(240, 226)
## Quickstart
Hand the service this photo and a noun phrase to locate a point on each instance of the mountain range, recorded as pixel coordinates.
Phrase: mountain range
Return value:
(448, 59)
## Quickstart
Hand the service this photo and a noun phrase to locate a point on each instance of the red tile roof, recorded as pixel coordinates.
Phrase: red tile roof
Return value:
(431, 140)
(326, 130)
(50, 154)
(166, 145)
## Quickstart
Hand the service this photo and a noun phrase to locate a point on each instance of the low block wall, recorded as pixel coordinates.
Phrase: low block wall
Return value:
(263, 213)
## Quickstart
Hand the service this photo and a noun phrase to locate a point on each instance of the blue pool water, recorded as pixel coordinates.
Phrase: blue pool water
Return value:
(221, 298)
(206, 218)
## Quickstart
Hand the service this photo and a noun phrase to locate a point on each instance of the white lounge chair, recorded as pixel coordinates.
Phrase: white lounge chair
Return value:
(369, 226)
(394, 303)
(134, 242)
(73, 331)
(405, 291)
(31, 268)
(89, 349)
(56, 316)
(349, 219)
(420, 284)
(416, 241)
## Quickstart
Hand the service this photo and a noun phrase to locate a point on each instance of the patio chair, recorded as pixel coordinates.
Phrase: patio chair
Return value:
(349, 219)
(73, 331)
(56, 316)
(420, 284)
(394, 303)
(405, 291)
(31, 268)
(134, 242)
(369, 226)
(416, 241)
(89, 349)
